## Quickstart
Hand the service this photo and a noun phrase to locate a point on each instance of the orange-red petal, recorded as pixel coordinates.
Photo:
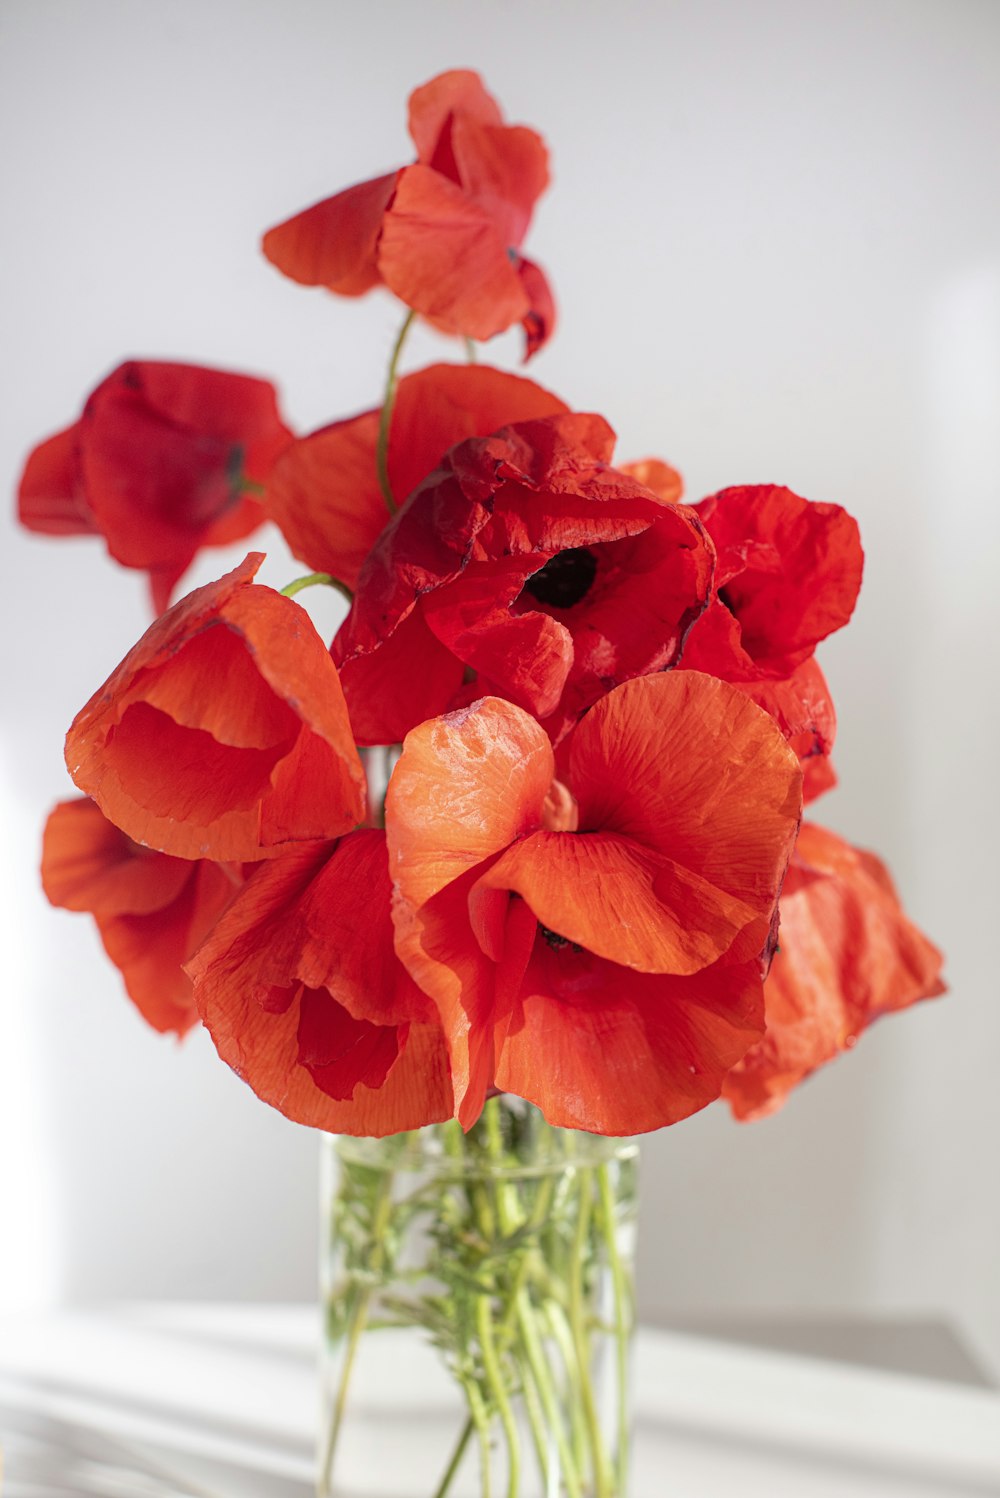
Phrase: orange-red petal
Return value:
(151, 910)
(224, 733)
(304, 998)
(444, 255)
(50, 495)
(432, 106)
(847, 954)
(333, 243)
(324, 491)
(465, 787)
(686, 764)
(599, 1048)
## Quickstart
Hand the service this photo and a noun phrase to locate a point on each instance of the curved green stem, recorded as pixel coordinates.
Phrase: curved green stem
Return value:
(359, 1321)
(315, 580)
(542, 1375)
(577, 1317)
(385, 416)
(498, 1390)
(456, 1459)
(623, 1317)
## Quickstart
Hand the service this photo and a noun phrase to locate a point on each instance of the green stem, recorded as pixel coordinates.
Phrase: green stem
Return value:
(536, 1424)
(359, 1320)
(385, 416)
(563, 1338)
(456, 1459)
(577, 1317)
(481, 1420)
(317, 579)
(623, 1317)
(470, 350)
(498, 1389)
(541, 1373)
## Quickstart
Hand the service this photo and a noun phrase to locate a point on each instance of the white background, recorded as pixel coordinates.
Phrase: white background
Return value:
(774, 235)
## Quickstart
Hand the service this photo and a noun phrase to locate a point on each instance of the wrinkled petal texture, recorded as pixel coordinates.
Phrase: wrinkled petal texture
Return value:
(846, 954)
(446, 257)
(650, 922)
(157, 465)
(443, 234)
(324, 492)
(788, 575)
(223, 734)
(305, 999)
(535, 565)
(789, 572)
(152, 911)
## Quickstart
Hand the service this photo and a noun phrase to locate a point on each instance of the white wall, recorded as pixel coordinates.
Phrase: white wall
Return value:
(775, 238)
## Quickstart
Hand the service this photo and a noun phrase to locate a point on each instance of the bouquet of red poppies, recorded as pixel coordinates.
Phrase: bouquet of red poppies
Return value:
(607, 702)
(531, 825)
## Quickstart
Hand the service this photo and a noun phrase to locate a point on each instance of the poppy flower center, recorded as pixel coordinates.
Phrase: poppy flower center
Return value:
(565, 579)
(556, 942)
(725, 598)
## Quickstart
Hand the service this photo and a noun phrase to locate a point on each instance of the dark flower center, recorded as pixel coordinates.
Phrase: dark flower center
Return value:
(556, 942)
(565, 578)
(727, 602)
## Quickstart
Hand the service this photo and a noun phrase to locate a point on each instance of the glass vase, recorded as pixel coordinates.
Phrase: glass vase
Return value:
(479, 1303)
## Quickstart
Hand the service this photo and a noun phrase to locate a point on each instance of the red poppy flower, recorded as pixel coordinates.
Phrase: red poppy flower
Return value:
(306, 1000)
(527, 560)
(788, 575)
(443, 234)
(324, 492)
(223, 733)
(595, 946)
(163, 461)
(152, 911)
(846, 955)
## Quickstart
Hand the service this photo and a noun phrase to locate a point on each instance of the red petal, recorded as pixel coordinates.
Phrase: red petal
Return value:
(539, 321)
(411, 678)
(333, 243)
(319, 918)
(599, 1048)
(444, 256)
(150, 949)
(621, 900)
(50, 496)
(432, 106)
(658, 476)
(182, 747)
(847, 954)
(324, 491)
(502, 168)
(710, 783)
(89, 864)
(465, 787)
(800, 577)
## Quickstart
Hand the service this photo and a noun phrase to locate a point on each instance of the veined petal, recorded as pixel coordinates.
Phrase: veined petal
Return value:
(599, 1048)
(305, 1000)
(622, 901)
(333, 243)
(687, 765)
(465, 787)
(444, 255)
(847, 954)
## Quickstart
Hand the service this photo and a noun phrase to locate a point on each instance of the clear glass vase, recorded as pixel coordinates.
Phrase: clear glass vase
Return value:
(479, 1306)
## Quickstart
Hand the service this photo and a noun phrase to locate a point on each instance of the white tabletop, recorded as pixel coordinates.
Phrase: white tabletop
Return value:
(220, 1402)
